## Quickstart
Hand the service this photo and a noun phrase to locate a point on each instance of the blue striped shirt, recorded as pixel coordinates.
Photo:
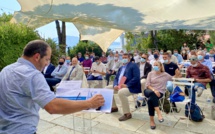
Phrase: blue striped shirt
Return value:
(23, 90)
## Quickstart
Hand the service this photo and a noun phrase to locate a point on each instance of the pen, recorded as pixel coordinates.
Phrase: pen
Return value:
(78, 96)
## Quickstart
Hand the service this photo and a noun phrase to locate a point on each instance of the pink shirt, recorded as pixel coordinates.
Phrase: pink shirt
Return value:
(158, 81)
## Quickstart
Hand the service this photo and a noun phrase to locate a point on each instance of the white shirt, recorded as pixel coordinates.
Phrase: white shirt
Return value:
(153, 61)
(101, 68)
(137, 59)
(142, 66)
(151, 57)
(114, 65)
(44, 71)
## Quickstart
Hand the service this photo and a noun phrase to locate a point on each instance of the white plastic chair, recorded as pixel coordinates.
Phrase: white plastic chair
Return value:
(183, 82)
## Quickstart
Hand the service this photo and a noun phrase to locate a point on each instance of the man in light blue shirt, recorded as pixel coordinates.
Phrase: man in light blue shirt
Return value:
(208, 63)
(178, 56)
(57, 74)
(23, 90)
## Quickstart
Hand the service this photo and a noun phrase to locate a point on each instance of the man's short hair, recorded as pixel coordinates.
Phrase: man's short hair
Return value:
(96, 58)
(36, 46)
(62, 58)
(167, 54)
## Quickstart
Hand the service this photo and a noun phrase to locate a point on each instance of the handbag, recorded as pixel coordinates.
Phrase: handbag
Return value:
(177, 95)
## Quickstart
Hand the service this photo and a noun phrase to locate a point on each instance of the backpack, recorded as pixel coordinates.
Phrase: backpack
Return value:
(166, 105)
(196, 113)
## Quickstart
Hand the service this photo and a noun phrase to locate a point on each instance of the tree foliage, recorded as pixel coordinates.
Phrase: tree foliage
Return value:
(84, 47)
(166, 39)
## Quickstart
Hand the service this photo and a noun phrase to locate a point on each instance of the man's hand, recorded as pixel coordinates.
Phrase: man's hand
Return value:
(108, 71)
(116, 88)
(96, 101)
(123, 86)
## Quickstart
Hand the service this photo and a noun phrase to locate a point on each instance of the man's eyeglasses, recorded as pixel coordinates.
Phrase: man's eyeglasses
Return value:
(193, 59)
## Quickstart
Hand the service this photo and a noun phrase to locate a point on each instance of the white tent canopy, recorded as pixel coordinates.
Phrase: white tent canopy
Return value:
(104, 20)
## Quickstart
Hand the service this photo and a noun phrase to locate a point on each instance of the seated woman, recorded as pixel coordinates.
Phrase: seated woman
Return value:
(156, 88)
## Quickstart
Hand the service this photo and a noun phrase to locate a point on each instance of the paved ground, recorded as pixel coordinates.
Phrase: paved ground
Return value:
(108, 123)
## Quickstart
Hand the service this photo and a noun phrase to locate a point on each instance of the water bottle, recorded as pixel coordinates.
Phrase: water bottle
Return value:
(208, 101)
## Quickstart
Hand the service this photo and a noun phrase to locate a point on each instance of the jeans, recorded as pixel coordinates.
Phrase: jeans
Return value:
(152, 101)
(91, 77)
(108, 76)
(193, 97)
(52, 82)
(169, 86)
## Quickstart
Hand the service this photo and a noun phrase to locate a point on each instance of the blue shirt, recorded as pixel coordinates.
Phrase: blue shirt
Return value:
(121, 73)
(59, 71)
(208, 63)
(23, 90)
(180, 58)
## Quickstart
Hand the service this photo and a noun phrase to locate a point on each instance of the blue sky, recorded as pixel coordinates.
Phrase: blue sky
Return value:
(10, 6)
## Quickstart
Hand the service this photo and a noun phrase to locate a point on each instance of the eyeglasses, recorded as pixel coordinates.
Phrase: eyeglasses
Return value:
(192, 59)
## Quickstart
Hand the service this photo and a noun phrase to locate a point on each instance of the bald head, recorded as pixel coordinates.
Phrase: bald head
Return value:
(74, 61)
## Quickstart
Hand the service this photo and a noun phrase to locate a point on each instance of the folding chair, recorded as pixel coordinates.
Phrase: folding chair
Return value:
(183, 82)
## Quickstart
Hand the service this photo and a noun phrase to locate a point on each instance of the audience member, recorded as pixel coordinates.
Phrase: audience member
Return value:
(80, 58)
(57, 74)
(131, 74)
(48, 70)
(110, 56)
(87, 62)
(103, 59)
(207, 63)
(97, 70)
(136, 58)
(170, 68)
(156, 58)
(75, 72)
(112, 67)
(150, 55)
(68, 61)
(173, 58)
(156, 86)
(201, 75)
(184, 54)
(145, 68)
(178, 56)
(20, 102)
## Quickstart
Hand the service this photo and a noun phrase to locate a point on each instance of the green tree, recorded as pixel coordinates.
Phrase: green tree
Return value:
(56, 53)
(13, 38)
(85, 46)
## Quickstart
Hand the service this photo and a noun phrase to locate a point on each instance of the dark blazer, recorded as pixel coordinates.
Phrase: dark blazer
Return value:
(147, 69)
(132, 73)
(49, 70)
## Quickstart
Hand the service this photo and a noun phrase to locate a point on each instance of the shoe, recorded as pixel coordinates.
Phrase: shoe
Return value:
(125, 117)
(114, 110)
(144, 103)
(161, 120)
(199, 91)
(152, 127)
(137, 104)
(214, 100)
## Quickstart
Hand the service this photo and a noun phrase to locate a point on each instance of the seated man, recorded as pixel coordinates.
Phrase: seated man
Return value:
(178, 56)
(201, 75)
(75, 72)
(145, 68)
(68, 61)
(170, 68)
(131, 74)
(156, 58)
(97, 70)
(103, 59)
(48, 70)
(87, 63)
(173, 58)
(112, 67)
(57, 74)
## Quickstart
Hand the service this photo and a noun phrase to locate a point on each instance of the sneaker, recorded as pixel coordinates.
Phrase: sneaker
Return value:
(144, 103)
(199, 91)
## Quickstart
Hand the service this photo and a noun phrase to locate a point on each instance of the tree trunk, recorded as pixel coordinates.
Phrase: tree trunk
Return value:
(61, 36)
